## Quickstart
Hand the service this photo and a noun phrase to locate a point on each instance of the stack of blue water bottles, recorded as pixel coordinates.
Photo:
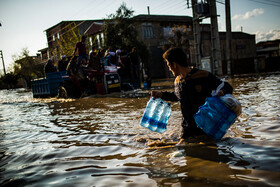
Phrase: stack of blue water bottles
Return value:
(214, 118)
(156, 115)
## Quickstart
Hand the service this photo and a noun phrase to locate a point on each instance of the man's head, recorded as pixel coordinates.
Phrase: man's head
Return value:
(175, 59)
(84, 38)
(176, 55)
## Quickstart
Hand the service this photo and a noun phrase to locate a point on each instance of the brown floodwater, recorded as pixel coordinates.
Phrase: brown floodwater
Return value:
(98, 141)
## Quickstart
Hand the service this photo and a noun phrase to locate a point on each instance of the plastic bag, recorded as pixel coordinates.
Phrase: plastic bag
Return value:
(156, 115)
(229, 100)
(232, 103)
(219, 88)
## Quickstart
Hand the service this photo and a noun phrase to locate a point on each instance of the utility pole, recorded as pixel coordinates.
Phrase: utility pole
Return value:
(228, 37)
(1, 54)
(197, 36)
(202, 10)
(215, 40)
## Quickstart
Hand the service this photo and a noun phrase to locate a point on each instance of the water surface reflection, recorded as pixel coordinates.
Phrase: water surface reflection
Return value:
(97, 142)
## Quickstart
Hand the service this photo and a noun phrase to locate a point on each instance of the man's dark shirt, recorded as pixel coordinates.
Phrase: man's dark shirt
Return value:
(191, 92)
(49, 67)
(74, 67)
(62, 65)
(134, 58)
(81, 48)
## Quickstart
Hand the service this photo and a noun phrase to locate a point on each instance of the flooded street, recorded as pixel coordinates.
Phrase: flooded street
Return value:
(99, 142)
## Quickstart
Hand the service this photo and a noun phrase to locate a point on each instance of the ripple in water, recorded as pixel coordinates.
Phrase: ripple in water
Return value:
(97, 142)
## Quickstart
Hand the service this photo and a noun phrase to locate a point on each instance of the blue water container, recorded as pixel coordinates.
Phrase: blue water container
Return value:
(214, 118)
(156, 115)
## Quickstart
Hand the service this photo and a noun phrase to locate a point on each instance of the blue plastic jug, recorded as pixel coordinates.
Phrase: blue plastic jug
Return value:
(156, 115)
(214, 118)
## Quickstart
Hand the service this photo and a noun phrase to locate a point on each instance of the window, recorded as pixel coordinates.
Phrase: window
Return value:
(147, 30)
(100, 40)
(53, 37)
(57, 35)
(90, 41)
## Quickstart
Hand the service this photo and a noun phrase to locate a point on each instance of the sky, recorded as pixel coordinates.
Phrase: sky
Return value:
(23, 22)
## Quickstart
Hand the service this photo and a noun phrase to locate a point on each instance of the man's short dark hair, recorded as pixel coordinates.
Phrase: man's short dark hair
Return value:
(176, 55)
(84, 37)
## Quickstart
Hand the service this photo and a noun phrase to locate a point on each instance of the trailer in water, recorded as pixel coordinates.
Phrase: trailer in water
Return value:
(59, 84)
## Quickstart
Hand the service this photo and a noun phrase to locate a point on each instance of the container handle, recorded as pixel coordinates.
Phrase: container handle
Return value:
(219, 87)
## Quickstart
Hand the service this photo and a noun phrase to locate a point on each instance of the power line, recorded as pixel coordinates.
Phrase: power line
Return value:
(68, 25)
(174, 6)
(163, 6)
(266, 3)
(82, 21)
(220, 2)
(277, 2)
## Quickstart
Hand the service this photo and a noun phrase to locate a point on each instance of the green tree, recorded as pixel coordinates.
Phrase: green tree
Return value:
(120, 32)
(180, 35)
(27, 67)
(68, 39)
(8, 81)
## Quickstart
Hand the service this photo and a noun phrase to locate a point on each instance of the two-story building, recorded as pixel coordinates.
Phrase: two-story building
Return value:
(157, 32)
(243, 50)
(268, 53)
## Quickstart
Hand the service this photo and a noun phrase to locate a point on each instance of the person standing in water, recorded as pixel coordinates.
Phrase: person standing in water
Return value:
(192, 86)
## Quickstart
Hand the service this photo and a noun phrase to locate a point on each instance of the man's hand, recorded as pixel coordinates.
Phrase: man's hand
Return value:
(156, 94)
(220, 93)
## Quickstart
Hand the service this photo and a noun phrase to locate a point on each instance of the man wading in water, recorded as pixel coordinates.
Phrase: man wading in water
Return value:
(191, 87)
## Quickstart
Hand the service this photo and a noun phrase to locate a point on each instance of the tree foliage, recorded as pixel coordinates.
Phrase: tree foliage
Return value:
(27, 67)
(179, 37)
(8, 81)
(120, 32)
(68, 40)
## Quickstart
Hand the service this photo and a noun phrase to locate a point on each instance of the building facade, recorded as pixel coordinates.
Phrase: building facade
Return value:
(159, 32)
(268, 54)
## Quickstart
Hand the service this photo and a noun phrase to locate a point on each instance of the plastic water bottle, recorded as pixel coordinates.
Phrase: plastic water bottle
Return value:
(161, 127)
(156, 115)
(153, 122)
(148, 112)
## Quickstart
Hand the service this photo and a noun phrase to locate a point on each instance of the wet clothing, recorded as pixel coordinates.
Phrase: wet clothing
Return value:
(191, 92)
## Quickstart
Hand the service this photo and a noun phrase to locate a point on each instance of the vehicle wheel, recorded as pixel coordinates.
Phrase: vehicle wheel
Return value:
(62, 92)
